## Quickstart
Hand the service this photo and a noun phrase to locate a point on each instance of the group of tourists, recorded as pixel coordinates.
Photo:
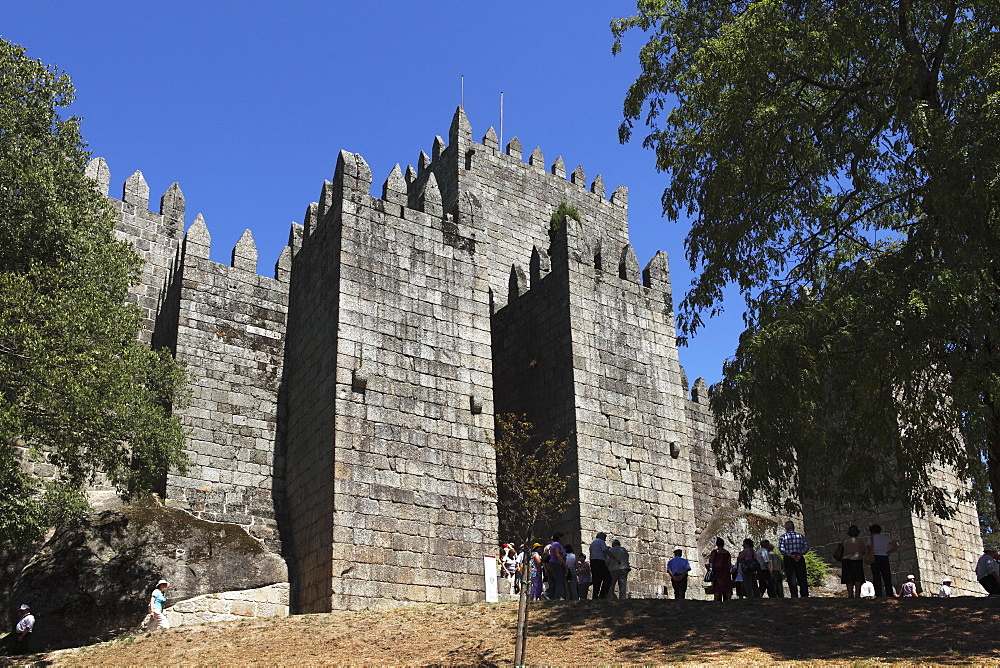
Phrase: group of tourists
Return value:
(556, 571)
(759, 571)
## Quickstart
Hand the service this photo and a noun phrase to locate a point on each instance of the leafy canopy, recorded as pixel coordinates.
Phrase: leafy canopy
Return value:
(840, 162)
(77, 388)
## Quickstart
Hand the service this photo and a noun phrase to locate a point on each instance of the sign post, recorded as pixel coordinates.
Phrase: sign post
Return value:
(490, 565)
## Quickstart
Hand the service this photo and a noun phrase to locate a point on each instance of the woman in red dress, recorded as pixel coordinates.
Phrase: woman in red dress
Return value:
(722, 576)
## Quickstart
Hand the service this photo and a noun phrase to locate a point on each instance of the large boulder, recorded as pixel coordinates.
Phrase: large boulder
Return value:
(92, 580)
(733, 524)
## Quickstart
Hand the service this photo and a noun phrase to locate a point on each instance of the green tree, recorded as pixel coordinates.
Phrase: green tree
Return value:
(816, 569)
(529, 489)
(841, 162)
(76, 386)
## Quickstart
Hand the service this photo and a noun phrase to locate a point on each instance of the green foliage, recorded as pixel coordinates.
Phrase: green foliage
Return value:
(560, 214)
(842, 167)
(816, 569)
(76, 386)
(982, 492)
(530, 488)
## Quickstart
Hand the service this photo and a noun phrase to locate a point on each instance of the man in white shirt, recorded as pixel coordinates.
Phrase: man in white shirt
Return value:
(988, 571)
(945, 590)
(600, 555)
(22, 640)
(764, 582)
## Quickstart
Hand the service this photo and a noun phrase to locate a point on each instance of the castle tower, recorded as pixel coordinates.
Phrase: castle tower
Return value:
(390, 405)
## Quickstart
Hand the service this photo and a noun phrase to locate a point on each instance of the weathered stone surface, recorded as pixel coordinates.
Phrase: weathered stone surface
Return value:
(89, 581)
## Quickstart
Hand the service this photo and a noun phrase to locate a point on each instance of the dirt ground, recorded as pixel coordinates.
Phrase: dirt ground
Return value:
(828, 631)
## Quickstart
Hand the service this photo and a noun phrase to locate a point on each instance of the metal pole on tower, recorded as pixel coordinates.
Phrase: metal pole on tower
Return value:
(501, 121)
(463, 91)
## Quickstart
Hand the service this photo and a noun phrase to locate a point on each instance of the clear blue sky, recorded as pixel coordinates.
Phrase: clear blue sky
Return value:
(246, 104)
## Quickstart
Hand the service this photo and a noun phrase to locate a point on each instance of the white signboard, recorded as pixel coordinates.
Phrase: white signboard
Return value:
(490, 564)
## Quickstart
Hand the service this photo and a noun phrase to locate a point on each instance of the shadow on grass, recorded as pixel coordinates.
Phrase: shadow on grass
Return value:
(948, 631)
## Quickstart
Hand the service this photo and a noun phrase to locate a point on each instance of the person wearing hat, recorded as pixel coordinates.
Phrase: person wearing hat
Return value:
(600, 554)
(852, 569)
(909, 588)
(678, 569)
(988, 571)
(22, 631)
(157, 618)
(945, 590)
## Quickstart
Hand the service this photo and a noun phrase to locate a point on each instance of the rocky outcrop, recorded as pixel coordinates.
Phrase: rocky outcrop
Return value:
(91, 580)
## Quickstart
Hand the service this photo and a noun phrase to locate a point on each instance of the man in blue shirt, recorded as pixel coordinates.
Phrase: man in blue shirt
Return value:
(677, 569)
(793, 546)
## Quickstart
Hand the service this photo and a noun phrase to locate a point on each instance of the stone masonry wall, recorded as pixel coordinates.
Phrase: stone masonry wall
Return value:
(505, 203)
(365, 423)
(412, 403)
(533, 370)
(231, 335)
(157, 239)
(931, 547)
(635, 476)
(309, 388)
(948, 547)
(227, 606)
(411, 522)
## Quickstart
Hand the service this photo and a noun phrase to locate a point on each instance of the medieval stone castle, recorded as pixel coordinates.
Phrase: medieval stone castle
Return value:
(343, 410)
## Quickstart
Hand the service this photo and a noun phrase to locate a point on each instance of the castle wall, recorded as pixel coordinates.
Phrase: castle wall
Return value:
(310, 388)
(635, 475)
(507, 202)
(231, 335)
(364, 427)
(931, 547)
(157, 239)
(533, 371)
(413, 404)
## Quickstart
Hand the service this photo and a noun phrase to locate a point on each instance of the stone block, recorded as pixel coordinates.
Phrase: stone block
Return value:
(219, 606)
(243, 609)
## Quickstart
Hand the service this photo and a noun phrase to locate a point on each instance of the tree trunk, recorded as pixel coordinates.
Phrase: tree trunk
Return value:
(521, 641)
(993, 461)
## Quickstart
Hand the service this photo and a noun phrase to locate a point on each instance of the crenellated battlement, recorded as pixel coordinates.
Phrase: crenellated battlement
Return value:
(160, 230)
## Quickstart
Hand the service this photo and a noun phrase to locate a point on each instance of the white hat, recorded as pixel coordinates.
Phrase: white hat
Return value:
(946, 581)
(162, 582)
(911, 577)
(24, 606)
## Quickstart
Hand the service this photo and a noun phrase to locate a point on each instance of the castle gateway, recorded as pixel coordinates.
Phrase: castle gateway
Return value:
(343, 410)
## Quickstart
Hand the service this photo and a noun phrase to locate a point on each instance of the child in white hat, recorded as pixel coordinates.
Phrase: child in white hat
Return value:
(945, 590)
(909, 588)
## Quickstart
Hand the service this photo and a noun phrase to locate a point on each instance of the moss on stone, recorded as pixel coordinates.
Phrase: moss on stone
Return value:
(177, 526)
